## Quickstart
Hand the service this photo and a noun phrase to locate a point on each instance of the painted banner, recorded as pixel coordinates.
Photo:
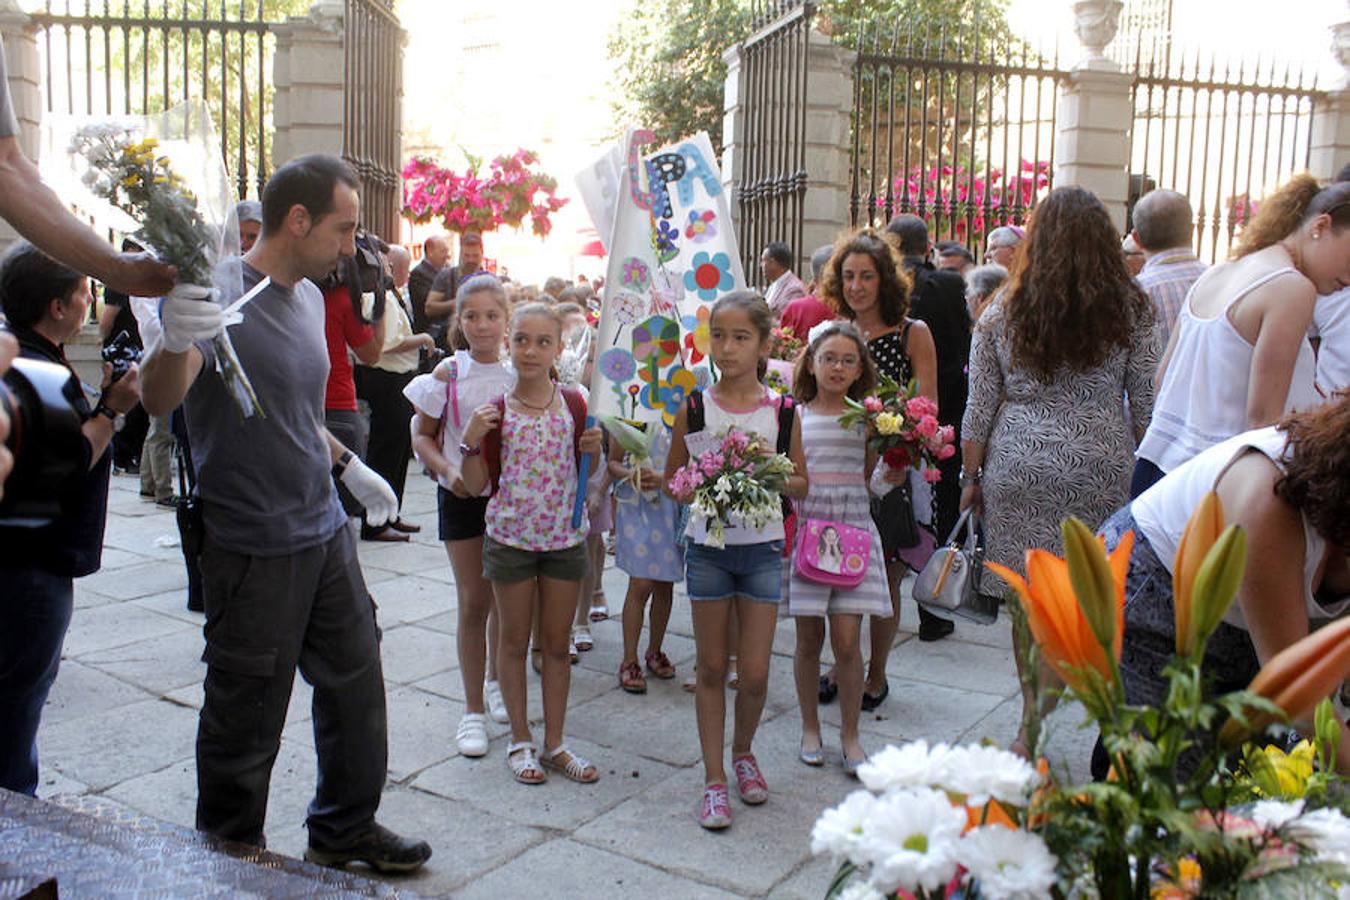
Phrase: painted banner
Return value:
(672, 253)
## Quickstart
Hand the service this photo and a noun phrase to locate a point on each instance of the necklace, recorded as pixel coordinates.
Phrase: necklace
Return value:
(528, 405)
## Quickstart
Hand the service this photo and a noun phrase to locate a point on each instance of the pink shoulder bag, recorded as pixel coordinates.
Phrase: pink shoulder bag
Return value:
(831, 552)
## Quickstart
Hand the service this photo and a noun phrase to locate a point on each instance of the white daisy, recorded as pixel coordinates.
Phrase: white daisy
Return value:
(910, 838)
(839, 829)
(914, 765)
(982, 773)
(1273, 814)
(1008, 864)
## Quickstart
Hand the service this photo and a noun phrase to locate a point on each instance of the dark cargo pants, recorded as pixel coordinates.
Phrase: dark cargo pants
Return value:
(264, 617)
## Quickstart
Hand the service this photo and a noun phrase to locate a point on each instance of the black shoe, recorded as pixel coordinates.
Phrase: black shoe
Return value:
(378, 848)
(167, 502)
(872, 701)
(934, 629)
(828, 690)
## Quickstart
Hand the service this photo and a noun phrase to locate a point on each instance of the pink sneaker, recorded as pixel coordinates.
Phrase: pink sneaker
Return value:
(749, 780)
(715, 814)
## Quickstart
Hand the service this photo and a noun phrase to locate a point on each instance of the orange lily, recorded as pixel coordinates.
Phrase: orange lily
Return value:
(1057, 617)
(1206, 572)
(1202, 530)
(1297, 677)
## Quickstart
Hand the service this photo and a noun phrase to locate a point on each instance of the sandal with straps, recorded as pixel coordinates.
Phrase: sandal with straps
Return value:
(524, 762)
(577, 768)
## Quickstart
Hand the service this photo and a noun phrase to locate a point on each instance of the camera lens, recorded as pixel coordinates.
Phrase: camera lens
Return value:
(45, 438)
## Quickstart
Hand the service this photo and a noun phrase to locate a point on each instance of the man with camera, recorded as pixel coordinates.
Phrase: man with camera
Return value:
(283, 587)
(45, 543)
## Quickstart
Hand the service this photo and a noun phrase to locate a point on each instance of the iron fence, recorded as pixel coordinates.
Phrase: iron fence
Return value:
(122, 57)
(771, 170)
(372, 131)
(955, 127)
(1222, 137)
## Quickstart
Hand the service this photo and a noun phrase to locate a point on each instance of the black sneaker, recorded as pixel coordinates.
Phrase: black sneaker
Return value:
(378, 848)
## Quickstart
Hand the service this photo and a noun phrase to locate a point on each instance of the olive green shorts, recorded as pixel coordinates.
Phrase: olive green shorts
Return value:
(506, 564)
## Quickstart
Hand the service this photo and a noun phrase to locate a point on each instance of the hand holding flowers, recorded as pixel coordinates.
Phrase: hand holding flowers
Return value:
(737, 483)
(902, 426)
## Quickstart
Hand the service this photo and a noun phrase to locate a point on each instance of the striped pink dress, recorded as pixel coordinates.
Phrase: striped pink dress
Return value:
(836, 461)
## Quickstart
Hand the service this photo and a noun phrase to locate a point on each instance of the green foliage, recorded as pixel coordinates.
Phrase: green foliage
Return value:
(668, 53)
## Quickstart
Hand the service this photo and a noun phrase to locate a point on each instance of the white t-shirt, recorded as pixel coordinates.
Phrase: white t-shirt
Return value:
(762, 421)
(1331, 323)
(453, 402)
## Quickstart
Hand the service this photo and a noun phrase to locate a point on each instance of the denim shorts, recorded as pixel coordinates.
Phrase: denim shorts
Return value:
(745, 570)
(507, 564)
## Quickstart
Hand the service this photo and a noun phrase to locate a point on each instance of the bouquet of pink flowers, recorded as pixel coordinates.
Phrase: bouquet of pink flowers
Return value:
(902, 426)
(737, 483)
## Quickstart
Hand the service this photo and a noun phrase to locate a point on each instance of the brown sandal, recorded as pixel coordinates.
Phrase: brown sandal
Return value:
(630, 678)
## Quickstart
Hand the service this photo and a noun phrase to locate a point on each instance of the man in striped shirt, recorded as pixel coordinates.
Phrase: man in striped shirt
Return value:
(1162, 229)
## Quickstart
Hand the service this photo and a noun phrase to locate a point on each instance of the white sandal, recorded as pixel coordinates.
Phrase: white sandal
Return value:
(581, 638)
(575, 767)
(523, 759)
(471, 736)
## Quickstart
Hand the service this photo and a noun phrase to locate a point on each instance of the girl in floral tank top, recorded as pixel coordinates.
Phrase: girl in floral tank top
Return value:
(534, 439)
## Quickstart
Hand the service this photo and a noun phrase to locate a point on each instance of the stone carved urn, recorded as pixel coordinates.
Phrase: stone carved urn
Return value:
(1095, 23)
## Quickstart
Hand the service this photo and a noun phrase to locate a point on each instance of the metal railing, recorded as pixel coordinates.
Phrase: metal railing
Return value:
(372, 132)
(123, 57)
(1223, 134)
(957, 128)
(771, 171)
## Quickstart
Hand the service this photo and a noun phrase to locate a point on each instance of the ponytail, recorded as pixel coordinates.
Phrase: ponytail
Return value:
(1279, 214)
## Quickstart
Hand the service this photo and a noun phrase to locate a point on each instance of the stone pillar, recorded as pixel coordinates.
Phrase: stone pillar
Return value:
(25, 86)
(1330, 140)
(1095, 115)
(829, 106)
(829, 92)
(308, 104)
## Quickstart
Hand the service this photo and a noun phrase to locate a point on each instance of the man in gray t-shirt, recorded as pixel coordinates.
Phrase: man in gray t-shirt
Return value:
(281, 582)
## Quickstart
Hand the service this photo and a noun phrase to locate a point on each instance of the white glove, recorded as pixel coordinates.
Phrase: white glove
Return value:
(371, 491)
(189, 314)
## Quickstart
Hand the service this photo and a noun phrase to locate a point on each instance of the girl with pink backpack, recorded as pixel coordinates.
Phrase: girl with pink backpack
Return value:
(838, 569)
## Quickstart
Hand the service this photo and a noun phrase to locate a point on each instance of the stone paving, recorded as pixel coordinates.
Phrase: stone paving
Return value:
(122, 719)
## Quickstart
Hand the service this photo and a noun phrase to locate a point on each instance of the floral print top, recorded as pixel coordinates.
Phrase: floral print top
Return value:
(532, 509)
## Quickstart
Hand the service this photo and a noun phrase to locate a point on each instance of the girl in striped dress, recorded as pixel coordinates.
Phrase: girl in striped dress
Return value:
(835, 365)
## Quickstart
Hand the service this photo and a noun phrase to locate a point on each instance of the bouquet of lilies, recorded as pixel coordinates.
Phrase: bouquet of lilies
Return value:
(738, 483)
(902, 426)
(130, 170)
(1245, 821)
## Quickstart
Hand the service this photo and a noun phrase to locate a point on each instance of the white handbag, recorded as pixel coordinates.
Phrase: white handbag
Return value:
(950, 580)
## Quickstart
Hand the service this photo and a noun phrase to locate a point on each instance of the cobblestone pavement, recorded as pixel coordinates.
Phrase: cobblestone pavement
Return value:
(122, 719)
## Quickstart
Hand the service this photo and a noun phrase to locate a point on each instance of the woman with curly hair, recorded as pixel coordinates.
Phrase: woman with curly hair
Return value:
(1288, 487)
(1239, 357)
(865, 282)
(1054, 359)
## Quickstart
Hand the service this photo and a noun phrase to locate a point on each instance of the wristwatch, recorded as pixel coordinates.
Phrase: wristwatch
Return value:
(341, 465)
(117, 419)
(465, 450)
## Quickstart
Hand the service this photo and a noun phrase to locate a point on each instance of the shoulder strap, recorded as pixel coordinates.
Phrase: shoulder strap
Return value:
(904, 336)
(787, 411)
(694, 417)
(576, 405)
(492, 446)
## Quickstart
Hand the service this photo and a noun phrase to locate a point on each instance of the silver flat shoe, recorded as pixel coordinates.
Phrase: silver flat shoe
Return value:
(851, 766)
(814, 757)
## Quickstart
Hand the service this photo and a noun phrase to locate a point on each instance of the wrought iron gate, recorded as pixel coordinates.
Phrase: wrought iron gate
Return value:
(117, 57)
(771, 178)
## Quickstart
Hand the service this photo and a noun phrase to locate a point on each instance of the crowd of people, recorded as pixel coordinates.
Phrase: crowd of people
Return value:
(1074, 386)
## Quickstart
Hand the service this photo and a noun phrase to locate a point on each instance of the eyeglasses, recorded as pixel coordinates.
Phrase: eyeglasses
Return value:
(829, 361)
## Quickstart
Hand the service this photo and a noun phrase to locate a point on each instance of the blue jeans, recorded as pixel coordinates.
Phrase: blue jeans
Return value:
(35, 611)
(736, 570)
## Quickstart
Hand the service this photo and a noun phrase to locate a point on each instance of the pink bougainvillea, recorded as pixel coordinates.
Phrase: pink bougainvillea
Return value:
(468, 201)
(967, 196)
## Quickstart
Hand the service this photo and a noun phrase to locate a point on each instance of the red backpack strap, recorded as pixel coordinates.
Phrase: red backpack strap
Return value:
(576, 405)
(492, 446)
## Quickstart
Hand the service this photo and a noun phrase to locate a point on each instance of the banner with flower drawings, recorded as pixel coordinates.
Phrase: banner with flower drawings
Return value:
(672, 253)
